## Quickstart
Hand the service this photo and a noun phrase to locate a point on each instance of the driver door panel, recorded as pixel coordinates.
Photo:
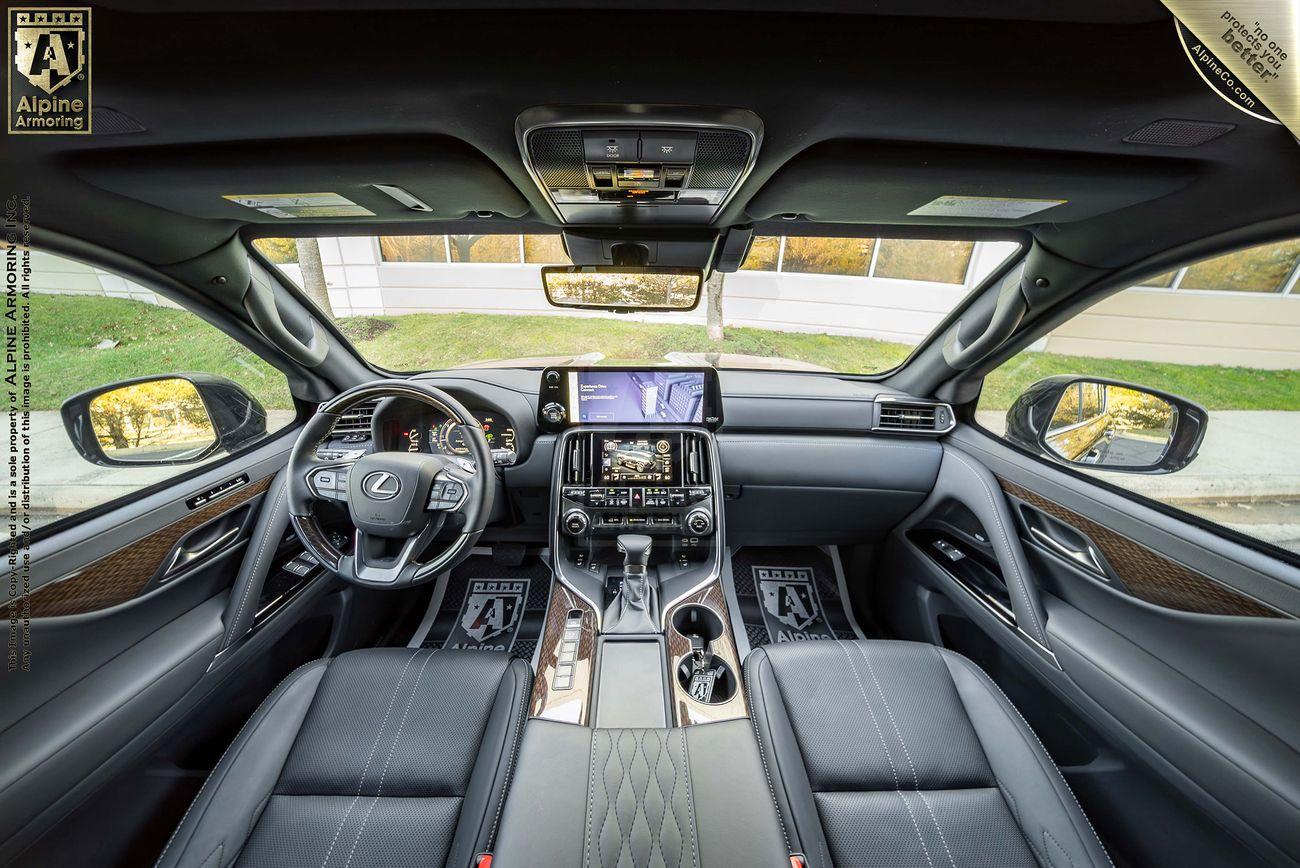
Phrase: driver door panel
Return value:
(126, 619)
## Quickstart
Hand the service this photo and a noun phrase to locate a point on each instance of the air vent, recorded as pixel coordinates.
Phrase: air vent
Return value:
(354, 425)
(914, 417)
(695, 463)
(577, 461)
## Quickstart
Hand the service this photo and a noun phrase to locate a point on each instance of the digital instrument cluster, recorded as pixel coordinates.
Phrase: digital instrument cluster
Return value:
(435, 432)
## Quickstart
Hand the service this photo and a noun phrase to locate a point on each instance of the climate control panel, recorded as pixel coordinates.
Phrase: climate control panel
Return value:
(686, 511)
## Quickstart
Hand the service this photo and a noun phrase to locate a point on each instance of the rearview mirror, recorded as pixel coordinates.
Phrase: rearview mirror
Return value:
(1107, 425)
(622, 288)
(159, 421)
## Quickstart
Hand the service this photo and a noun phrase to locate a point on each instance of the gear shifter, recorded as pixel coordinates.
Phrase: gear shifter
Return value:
(634, 609)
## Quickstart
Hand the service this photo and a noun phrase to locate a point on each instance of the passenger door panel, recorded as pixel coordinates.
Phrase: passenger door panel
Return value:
(1175, 646)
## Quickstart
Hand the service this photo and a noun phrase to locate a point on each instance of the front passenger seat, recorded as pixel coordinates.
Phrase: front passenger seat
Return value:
(380, 757)
(905, 754)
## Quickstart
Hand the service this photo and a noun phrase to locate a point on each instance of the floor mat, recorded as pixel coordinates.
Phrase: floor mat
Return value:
(485, 606)
(790, 594)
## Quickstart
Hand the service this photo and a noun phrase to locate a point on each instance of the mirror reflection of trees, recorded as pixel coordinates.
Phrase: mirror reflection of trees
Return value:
(671, 291)
(152, 417)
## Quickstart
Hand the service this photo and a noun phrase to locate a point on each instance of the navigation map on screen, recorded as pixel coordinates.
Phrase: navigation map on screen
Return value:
(623, 397)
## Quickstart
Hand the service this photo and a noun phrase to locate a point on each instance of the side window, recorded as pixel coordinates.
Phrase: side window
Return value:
(1223, 334)
(91, 329)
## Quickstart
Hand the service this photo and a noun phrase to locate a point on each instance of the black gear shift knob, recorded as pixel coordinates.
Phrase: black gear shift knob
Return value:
(635, 548)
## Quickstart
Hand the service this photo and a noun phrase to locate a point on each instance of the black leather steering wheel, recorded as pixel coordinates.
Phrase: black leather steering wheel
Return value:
(398, 501)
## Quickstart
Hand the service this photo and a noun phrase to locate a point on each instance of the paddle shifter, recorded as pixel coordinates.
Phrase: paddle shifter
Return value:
(634, 609)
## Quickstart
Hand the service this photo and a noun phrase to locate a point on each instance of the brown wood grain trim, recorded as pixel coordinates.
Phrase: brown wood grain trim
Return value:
(687, 710)
(1149, 575)
(121, 575)
(572, 705)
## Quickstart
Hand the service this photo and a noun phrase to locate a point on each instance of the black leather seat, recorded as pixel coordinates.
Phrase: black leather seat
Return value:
(383, 757)
(905, 754)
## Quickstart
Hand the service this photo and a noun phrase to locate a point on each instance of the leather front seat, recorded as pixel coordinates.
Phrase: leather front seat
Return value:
(904, 754)
(381, 757)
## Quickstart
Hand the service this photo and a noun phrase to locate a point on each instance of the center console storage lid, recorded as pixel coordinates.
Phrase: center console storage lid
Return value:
(597, 798)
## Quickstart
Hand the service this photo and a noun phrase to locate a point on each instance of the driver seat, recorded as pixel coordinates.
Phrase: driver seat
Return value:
(378, 757)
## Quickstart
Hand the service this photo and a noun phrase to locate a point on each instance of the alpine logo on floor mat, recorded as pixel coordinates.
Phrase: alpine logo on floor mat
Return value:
(490, 616)
(792, 608)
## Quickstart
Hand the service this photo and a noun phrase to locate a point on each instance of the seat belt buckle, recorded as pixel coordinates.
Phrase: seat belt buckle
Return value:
(483, 860)
(797, 861)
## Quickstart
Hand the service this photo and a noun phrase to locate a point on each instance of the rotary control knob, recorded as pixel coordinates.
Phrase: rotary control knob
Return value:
(699, 522)
(574, 522)
(553, 413)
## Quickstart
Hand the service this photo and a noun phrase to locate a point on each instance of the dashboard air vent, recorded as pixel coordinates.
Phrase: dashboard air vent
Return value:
(914, 417)
(695, 469)
(354, 425)
(578, 461)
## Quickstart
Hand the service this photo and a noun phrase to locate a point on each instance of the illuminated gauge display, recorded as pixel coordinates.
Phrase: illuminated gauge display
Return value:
(450, 437)
(499, 435)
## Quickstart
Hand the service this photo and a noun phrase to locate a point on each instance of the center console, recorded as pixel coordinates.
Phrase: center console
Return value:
(637, 547)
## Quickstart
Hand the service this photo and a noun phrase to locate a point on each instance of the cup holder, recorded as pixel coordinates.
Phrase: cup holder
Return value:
(702, 621)
(694, 620)
(724, 684)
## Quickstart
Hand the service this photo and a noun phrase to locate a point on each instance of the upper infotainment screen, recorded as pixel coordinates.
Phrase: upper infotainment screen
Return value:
(623, 397)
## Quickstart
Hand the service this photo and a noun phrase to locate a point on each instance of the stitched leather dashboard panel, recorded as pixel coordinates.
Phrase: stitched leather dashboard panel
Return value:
(1149, 575)
(121, 575)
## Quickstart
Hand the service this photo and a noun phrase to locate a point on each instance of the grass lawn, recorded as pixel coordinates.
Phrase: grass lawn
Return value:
(156, 340)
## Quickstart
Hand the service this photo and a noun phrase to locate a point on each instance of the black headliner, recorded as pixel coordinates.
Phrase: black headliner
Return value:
(946, 89)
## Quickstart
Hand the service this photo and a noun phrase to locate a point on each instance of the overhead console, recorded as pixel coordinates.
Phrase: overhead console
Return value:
(638, 164)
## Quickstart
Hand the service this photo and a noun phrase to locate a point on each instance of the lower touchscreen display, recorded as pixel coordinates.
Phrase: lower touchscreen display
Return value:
(628, 397)
(637, 459)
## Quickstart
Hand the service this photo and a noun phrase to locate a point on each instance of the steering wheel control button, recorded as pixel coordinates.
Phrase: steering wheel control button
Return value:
(381, 485)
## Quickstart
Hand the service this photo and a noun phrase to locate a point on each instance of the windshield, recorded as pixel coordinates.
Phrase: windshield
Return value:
(431, 302)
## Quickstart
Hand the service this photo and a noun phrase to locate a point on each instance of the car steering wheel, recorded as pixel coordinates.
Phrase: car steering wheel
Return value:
(398, 501)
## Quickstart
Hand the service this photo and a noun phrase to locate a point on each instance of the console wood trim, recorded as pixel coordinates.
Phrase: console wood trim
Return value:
(572, 705)
(688, 711)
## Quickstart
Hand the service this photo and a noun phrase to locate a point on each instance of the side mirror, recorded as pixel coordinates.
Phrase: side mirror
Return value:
(159, 421)
(1107, 425)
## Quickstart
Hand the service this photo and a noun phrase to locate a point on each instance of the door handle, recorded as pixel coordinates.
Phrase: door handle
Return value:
(1085, 556)
(184, 555)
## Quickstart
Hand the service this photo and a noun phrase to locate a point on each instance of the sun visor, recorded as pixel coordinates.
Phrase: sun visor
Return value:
(256, 182)
(861, 182)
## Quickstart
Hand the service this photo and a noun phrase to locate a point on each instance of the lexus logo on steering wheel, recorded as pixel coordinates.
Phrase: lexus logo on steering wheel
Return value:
(381, 485)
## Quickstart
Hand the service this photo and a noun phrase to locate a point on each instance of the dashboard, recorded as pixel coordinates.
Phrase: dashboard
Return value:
(833, 458)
